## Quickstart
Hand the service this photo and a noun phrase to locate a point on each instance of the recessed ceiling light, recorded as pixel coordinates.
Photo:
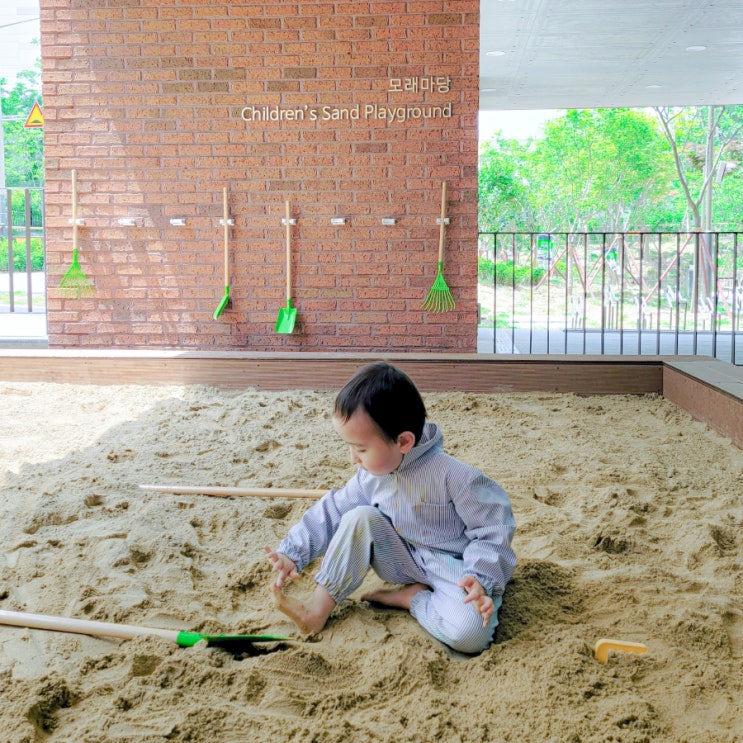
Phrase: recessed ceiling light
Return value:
(495, 53)
(653, 87)
(488, 90)
(698, 48)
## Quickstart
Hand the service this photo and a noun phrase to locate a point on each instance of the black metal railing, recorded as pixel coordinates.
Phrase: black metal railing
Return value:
(22, 286)
(612, 293)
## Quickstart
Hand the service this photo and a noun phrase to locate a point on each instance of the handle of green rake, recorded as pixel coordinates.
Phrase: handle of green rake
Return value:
(225, 219)
(82, 626)
(442, 223)
(288, 253)
(74, 212)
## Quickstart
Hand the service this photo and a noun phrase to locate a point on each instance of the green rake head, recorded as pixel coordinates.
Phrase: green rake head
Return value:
(75, 283)
(439, 298)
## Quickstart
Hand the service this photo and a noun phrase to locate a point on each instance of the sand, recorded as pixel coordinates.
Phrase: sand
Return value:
(629, 526)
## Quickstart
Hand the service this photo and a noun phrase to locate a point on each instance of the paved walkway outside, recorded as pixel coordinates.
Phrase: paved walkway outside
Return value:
(22, 329)
(28, 329)
(720, 345)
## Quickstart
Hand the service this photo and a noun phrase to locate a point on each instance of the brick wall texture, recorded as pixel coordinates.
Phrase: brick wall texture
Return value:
(345, 109)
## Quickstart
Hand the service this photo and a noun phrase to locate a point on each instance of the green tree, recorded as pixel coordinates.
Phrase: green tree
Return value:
(504, 203)
(24, 154)
(706, 151)
(707, 154)
(601, 169)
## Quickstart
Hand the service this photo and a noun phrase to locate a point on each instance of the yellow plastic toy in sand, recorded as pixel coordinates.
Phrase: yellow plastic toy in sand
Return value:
(603, 647)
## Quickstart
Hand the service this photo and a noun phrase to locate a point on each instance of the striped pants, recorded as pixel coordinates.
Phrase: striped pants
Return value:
(365, 538)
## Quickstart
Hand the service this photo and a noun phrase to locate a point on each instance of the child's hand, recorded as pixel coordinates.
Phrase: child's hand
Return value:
(479, 599)
(283, 566)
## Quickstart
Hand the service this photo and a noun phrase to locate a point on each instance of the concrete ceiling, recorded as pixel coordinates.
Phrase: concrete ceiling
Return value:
(557, 54)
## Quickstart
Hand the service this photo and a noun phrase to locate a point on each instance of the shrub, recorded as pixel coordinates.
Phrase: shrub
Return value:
(506, 274)
(19, 254)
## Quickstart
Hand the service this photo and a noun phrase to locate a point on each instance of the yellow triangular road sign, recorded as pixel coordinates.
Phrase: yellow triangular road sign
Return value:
(35, 118)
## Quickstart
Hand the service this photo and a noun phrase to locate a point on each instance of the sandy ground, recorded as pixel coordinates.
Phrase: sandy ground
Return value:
(629, 517)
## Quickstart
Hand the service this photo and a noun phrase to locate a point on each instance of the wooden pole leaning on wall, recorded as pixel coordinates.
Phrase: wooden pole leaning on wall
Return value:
(227, 492)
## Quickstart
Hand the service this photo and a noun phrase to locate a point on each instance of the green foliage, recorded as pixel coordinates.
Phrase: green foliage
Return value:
(692, 133)
(596, 170)
(19, 254)
(506, 274)
(609, 170)
(19, 206)
(502, 191)
(503, 320)
(25, 202)
(485, 270)
(24, 150)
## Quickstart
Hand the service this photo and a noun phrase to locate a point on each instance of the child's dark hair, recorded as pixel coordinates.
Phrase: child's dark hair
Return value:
(389, 397)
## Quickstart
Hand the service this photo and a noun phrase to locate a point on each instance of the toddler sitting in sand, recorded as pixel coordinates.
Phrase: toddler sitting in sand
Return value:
(436, 527)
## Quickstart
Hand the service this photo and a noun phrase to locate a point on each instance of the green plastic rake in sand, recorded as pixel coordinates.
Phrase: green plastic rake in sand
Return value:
(439, 298)
(75, 283)
(184, 639)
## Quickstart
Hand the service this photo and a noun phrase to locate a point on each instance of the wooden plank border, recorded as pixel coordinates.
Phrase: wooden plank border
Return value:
(710, 391)
(586, 375)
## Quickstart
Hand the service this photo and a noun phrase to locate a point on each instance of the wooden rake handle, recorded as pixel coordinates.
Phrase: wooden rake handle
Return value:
(74, 210)
(442, 222)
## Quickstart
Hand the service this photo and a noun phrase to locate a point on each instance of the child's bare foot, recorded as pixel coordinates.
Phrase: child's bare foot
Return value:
(400, 598)
(310, 616)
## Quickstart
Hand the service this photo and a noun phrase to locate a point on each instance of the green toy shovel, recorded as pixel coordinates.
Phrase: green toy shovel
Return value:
(184, 639)
(287, 315)
(226, 223)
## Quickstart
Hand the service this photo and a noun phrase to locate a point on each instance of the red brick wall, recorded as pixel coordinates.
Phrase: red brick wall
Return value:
(145, 100)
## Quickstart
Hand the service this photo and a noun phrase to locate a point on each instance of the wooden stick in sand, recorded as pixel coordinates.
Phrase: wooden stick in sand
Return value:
(224, 492)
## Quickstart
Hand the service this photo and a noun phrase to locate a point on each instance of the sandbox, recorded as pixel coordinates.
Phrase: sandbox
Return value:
(629, 517)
